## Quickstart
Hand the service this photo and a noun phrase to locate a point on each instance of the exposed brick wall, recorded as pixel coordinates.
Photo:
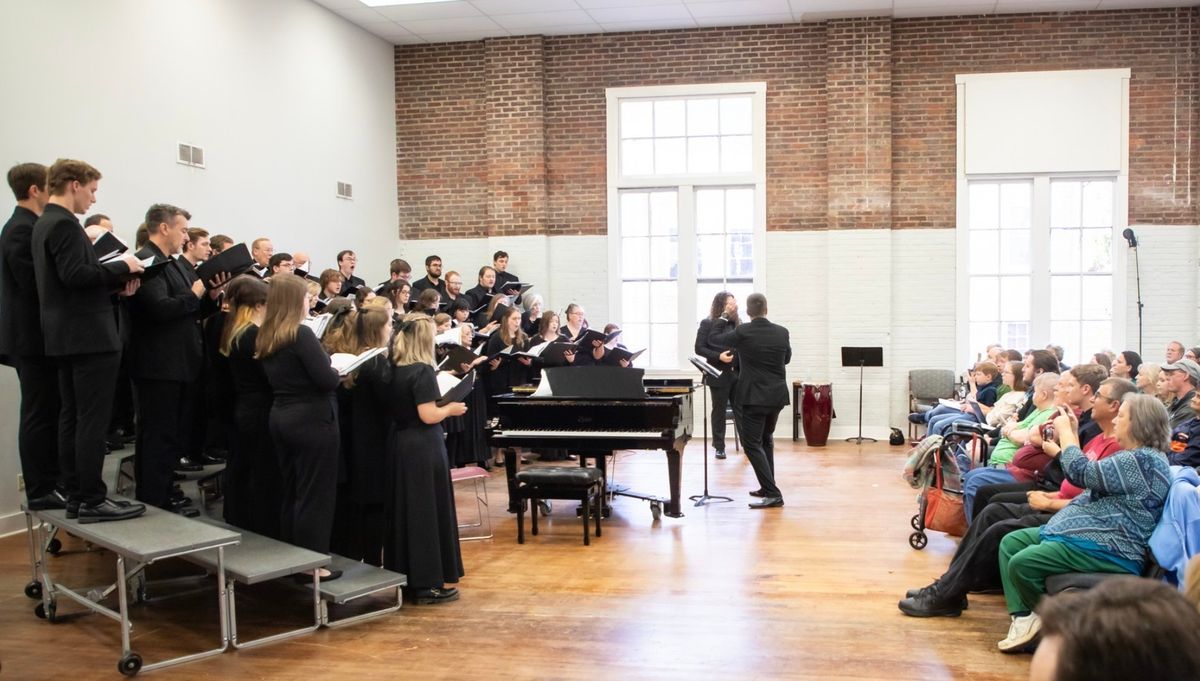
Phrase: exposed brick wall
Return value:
(858, 105)
(1159, 46)
(860, 115)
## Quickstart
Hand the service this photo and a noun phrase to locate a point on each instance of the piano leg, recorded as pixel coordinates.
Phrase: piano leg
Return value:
(515, 503)
(674, 474)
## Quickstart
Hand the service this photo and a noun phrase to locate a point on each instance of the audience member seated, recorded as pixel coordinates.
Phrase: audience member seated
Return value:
(985, 383)
(1058, 354)
(1150, 381)
(1014, 434)
(1105, 530)
(1185, 440)
(975, 566)
(1174, 353)
(1126, 364)
(1181, 378)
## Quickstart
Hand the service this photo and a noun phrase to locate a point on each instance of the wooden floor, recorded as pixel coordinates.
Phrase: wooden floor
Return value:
(804, 592)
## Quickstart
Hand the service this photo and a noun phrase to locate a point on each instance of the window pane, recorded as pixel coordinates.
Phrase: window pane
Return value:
(710, 211)
(635, 214)
(702, 117)
(736, 154)
(637, 157)
(982, 334)
(1014, 335)
(670, 156)
(664, 213)
(741, 255)
(635, 302)
(705, 292)
(1064, 250)
(637, 119)
(739, 210)
(664, 300)
(736, 118)
(983, 204)
(983, 252)
(668, 118)
(664, 258)
(1097, 298)
(664, 345)
(1066, 334)
(704, 155)
(1064, 298)
(1095, 336)
(635, 258)
(1014, 252)
(1064, 203)
(636, 337)
(1097, 250)
(1098, 203)
(985, 299)
(1016, 205)
(710, 256)
(1014, 298)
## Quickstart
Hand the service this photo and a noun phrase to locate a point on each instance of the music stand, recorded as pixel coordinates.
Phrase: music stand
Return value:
(708, 370)
(861, 357)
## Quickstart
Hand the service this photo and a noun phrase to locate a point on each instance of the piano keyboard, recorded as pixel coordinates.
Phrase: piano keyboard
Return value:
(578, 433)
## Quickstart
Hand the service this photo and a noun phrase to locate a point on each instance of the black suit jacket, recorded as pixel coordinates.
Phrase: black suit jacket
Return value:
(166, 344)
(73, 287)
(423, 284)
(712, 352)
(20, 319)
(763, 350)
(351, 285)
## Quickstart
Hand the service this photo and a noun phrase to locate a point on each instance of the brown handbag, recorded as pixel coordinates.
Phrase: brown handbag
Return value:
(944, 510)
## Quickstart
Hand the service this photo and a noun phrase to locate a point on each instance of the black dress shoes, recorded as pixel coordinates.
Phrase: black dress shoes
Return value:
(107, 511)
(931, 602)
(434, 596)
(758, 493)
(720, 454)
(187, 465)
(46, 502)
(768, 502)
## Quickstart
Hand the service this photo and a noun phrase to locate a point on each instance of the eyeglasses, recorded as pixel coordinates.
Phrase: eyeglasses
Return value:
(1106, 397)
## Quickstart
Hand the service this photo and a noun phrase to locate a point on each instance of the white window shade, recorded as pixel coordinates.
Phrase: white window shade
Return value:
(1042, 122)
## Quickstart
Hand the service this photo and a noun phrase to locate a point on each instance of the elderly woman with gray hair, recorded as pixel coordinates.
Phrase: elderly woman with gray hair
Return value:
(1105, 529)
(532, 315)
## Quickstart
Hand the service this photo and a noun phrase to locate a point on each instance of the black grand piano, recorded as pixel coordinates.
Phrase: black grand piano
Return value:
(593, 411)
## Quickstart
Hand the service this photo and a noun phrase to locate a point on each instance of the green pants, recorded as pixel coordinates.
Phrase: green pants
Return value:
(1026, 561)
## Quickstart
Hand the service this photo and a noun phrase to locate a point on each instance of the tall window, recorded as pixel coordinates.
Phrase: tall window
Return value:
(1040, 264)
(686, 170)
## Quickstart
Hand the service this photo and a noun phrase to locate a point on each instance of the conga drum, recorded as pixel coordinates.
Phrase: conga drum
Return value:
(817, 412)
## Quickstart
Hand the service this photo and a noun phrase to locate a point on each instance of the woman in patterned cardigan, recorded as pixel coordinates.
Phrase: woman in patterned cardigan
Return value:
(1105, 529)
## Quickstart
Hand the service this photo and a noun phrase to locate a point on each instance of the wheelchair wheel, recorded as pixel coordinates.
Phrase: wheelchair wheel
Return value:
(918, 540)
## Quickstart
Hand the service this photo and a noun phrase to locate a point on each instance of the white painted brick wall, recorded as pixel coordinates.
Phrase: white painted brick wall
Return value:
(1168, 258)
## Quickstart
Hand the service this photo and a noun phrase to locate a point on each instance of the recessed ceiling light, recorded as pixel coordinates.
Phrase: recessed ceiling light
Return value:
(388, 3)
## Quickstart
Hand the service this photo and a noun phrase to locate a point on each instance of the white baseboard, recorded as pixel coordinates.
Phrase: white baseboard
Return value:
(12, 523)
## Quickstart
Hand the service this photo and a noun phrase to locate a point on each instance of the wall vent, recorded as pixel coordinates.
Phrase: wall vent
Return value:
(190, 155)
(345, 190)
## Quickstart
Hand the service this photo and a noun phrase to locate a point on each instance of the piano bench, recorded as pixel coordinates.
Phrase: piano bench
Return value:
(585, 485)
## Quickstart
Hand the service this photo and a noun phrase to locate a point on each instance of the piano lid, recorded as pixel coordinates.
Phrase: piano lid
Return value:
(594, 382)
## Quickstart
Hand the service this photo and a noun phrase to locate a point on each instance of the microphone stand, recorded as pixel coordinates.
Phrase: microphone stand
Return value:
(1137, 269)
(706, 498)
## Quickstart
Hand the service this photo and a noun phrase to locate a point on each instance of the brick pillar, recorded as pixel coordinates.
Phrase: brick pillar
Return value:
(516, 136)
(858, 86)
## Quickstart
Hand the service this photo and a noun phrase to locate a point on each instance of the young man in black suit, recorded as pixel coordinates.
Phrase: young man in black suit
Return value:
(432, 279)
(347, 261)
(724, 313)
(763, 351)
(167, 356)
(22, 345)
(504, 277)
(80, 334)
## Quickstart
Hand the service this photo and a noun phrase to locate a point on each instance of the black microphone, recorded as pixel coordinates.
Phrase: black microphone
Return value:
(1130, 237)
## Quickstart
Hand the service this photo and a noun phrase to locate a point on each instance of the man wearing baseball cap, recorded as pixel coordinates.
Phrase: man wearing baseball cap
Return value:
(1182, 377)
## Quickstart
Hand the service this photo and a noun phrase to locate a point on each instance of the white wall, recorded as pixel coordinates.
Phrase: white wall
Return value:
(285, 97)
(858, 287)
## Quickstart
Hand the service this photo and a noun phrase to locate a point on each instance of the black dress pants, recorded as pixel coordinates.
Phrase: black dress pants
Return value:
(306, 440)
(163, 437)
(756, 426)
(85, 384)
(37, 438)
(976, 563)
(1003, 492)
(719, 392)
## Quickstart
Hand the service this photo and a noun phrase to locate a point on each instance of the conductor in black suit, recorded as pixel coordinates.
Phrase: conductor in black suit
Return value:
(722, 318)
(80, 332)
(763, 351)
(167, 355)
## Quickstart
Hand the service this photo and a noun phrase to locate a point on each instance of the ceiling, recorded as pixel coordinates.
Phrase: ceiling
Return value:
(438, 22)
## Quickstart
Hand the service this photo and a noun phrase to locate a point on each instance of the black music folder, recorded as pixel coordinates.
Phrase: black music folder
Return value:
(516, 287)
(499, 313)
(457, 355)
(589, 336)
(234, 260)
(459, 392)
(625, 354)
(108, 247)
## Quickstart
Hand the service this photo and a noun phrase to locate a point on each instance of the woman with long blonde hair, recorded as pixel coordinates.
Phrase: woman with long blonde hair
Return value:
(422, 532)
(303, 421)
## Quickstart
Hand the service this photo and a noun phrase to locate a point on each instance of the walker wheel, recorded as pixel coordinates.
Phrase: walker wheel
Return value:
(656, 510)
(34, 590)
(916, 522)
(54, 546)
(45, 613)
(130, 665)
(545, 507)
(918, 540)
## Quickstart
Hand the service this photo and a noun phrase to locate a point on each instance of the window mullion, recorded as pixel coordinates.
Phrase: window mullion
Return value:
(1039, 305)
(686, 312)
